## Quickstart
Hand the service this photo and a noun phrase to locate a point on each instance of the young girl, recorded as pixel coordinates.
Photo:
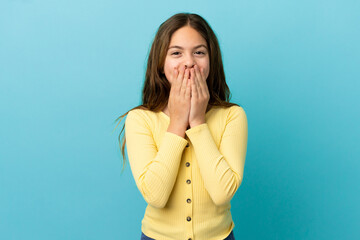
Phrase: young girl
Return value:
(186, 143)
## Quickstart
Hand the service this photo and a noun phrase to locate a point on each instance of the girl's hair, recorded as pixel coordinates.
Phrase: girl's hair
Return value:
(156, 89)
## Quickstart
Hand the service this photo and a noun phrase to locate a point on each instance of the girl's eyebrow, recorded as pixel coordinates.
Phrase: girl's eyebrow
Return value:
(201, 45)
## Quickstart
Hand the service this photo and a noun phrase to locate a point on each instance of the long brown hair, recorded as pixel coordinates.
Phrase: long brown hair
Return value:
(156, 89)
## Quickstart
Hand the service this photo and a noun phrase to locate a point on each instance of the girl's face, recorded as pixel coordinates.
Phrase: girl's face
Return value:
(187, 47)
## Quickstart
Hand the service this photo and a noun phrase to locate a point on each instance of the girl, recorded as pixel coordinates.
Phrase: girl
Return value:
(186, 143)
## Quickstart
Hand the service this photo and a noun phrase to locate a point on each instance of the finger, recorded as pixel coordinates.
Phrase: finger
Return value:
(194, 87)
(179, 78)
(184, 82)
(188, 89)
(181, 73)
(202, 74)
(205, 86)
(198, 80)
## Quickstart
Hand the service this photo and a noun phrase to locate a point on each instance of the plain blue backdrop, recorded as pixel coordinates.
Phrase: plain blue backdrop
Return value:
(68, 69)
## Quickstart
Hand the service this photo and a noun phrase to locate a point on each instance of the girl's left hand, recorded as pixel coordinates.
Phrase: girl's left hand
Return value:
(199, 97)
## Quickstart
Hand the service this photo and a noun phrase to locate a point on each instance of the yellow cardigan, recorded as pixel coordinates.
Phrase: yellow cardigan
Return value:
(187, 182)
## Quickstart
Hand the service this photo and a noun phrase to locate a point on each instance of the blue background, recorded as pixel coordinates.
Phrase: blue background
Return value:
(68, 69)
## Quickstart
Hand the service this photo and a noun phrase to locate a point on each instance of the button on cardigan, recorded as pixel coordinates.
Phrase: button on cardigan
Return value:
(187, 182)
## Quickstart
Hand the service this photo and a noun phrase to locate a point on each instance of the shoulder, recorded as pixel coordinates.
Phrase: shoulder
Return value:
(140, 113)
(229, 111)
(235, 112)
(145, 117)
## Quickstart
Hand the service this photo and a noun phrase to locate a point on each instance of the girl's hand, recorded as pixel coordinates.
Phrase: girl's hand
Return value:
(179, 98)
(199, 97)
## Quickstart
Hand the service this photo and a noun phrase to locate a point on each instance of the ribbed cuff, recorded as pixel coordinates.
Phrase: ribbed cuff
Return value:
(195, 129)
(203, 141)
(172, 147)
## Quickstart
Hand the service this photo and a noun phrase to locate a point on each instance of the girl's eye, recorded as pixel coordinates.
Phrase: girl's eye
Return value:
(199, 52)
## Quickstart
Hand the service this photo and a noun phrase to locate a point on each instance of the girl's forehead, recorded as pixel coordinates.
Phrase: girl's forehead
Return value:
(187, 42)
(187, 35)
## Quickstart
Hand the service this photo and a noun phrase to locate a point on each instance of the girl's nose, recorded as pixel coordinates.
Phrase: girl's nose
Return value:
(189, 63)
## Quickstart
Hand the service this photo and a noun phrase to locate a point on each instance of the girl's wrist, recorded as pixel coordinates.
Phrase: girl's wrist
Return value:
(177, 129)
(196, 123)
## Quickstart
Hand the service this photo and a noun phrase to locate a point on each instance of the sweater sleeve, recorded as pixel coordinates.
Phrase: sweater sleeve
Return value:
(154, 170)
(222, 168)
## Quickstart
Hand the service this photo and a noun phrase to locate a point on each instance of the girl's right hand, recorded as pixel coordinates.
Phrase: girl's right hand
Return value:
(179, 99)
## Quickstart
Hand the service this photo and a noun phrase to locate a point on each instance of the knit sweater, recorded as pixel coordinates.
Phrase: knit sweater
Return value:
(187, 182)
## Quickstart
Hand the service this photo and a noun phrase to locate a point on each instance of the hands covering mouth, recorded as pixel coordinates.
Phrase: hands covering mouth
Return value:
(189, 73)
